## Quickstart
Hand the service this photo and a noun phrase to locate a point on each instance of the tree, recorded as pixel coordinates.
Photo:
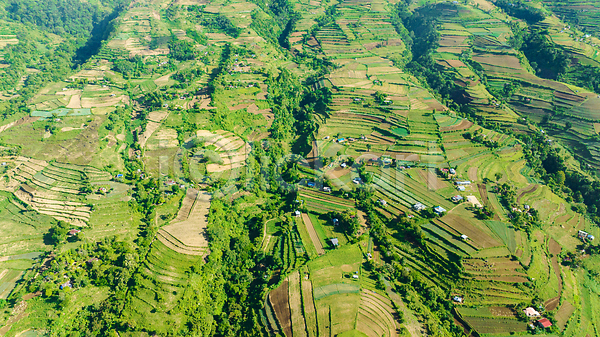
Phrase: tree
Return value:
(560, 177)
(58, 232)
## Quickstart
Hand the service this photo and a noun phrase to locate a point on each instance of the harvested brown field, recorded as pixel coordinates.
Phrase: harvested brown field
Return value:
(569, 96)
(453, 40)
(472, 173)
(186, 204)
(192, 231)
(464, 227)
(279, 299)
(503, 61)
(432, 180)
(295, 298)
(463, 125)
(552, 303)
(483, 193)
(564, 313)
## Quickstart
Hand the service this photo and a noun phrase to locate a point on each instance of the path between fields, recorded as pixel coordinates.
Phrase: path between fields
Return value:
(555, 249)
(313, 234)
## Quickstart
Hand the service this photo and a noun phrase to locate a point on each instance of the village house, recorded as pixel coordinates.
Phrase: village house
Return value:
(66, 285)
(439, 210)
(457, 299)
(419, 207)
(457, 198)
(585, 236)
(544, 323)
(73, 232)
(531, 312)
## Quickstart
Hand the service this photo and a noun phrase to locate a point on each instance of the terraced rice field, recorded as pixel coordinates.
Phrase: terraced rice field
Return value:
(54, 189)
(186, 234)
(232, 150)
(164, 272)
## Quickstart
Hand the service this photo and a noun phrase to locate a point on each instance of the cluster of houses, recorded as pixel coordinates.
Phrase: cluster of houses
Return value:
(312, 184)
(461, 184)
(343, 140)
(534, 314)
(171, 182)
(439, 210)
(585, 236)
(449, 171)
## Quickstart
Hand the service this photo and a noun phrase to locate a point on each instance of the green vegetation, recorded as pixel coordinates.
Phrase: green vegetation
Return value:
(298, 168)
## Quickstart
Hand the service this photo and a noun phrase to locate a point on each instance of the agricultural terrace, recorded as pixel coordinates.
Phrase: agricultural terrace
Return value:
(231, 151)
(22, 229)
(371, 97)
(533, 97)
(402, 188)
(332, 295)
(320, 202)
(186, 233)
(160, 288)
(585, 13)
(54, 189)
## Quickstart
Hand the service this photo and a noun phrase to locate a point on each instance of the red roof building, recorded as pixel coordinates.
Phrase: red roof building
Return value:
(544, 323)
(74, 231)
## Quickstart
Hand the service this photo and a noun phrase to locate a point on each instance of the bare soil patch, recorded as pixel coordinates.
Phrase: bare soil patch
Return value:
(552, 303)
(463, 125)
(431, 179)
(474, 233)
(192, 231)
(483, 193)
(279, 299)
(472, 173)
(313, 234)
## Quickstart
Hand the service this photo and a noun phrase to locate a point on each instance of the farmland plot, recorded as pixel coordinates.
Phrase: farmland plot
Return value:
(186, 234)
(54, 189)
